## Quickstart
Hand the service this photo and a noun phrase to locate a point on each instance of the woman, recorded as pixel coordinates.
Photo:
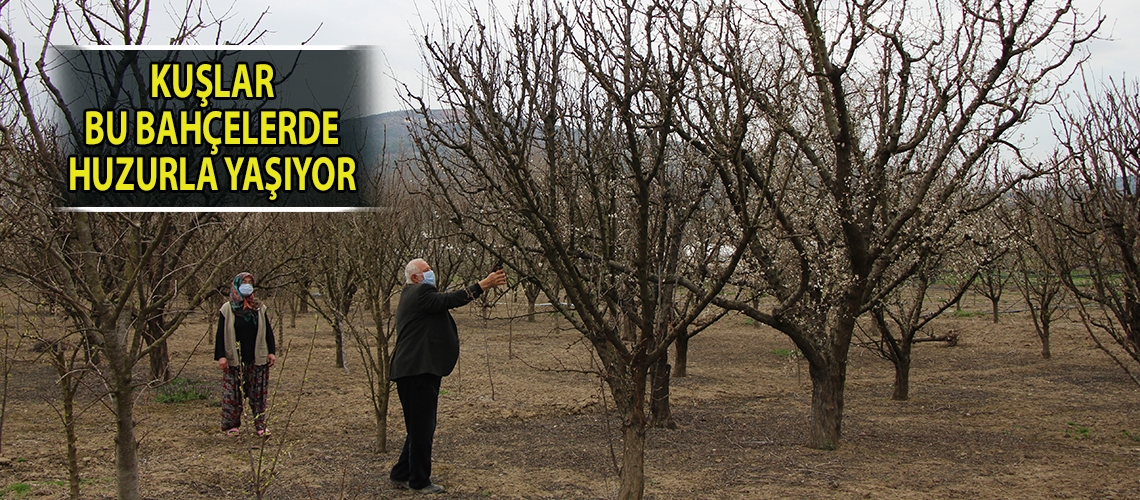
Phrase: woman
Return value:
(244, 329)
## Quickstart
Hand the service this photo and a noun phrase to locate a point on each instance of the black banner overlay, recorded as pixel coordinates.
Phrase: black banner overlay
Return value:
(216, 128)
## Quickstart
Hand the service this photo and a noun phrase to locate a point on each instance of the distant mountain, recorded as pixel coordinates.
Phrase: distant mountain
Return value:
(385, 133)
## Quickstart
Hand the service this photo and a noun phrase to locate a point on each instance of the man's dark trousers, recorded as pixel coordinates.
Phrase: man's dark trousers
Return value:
(419, 396)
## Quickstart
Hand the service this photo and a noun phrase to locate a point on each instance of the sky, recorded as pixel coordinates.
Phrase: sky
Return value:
(392, 27)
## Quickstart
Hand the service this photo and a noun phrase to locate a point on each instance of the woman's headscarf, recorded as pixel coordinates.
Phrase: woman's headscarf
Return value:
(245, 306)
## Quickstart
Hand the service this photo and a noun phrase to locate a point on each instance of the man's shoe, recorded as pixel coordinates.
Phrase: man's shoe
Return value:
(431, 488)
(402, 485)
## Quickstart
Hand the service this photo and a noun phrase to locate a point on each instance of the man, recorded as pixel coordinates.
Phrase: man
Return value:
(427, 348)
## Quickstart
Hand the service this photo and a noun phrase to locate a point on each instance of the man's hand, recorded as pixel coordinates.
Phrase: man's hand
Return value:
(272, 359)
(223, 364)
(496, 278)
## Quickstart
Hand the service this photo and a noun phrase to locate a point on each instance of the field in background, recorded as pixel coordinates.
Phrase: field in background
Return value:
(987, 418)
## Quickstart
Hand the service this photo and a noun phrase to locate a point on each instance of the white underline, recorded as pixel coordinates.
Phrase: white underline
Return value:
(210, 47)
(216, 209)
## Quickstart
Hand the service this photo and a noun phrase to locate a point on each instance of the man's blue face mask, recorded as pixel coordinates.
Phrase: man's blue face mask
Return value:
(429, 277)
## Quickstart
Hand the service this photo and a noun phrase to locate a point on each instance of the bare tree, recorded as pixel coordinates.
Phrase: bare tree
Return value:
(1096, 216)
(1043, 292)
(852, 132)
(557, 137)
(13, 340)
(1039, 283)
(710, 237)
(996, 273)
(95, 265)
(681, 349)
(335, 275)
(71, 369)
(385, 239)
(907, 312)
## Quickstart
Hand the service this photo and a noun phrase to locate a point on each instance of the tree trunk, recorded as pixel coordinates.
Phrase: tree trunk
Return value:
(126, 448)
(1132, 321)
(293, 312)
(826, 404)
(68, 393)
(628, 329)
(994, 303)
(160, 363)
(384, 394)
(1044, 335)
(122, 396)
(160, 356)
(633, 461)
(902, 374)
(627, 384)
(380, 364)
(4, 399)
(531, 289)
(681, 361)
(68, 382)
(338, 331)
(660, 411)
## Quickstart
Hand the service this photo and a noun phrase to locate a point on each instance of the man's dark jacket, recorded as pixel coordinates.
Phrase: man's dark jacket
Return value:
(427, 340)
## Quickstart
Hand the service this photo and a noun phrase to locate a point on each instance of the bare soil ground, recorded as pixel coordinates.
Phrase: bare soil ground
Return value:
(987, 418)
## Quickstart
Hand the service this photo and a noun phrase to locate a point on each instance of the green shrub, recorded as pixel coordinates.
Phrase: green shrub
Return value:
(181, 390)
(1077, 431)
(18, 489)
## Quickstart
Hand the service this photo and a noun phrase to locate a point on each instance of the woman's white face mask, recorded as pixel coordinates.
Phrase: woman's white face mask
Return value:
(245, 289)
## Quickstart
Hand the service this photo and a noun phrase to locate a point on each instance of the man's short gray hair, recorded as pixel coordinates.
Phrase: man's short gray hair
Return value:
(411, 270)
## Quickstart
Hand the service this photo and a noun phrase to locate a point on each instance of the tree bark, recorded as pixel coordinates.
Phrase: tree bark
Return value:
(827, 404)
(293, 311)
(122, 392)
(902, 374)
(1044, 335)
(994, 303)
(628, 329)
(338, 331)
(659, 407)
(126, 448)
(68, 382)
(303, 307)
(4, 396)
(68, 393)
(382, 417)
(627, 385)
(681, 361)
(381, 365)
(531, 290)
(160, 355)
(633, 461)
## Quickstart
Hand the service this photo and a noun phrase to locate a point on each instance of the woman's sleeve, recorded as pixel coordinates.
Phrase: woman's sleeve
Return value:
(220, 339)
(270, 341)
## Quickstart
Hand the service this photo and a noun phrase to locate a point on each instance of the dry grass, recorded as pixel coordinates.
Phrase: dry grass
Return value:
(987, 419)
